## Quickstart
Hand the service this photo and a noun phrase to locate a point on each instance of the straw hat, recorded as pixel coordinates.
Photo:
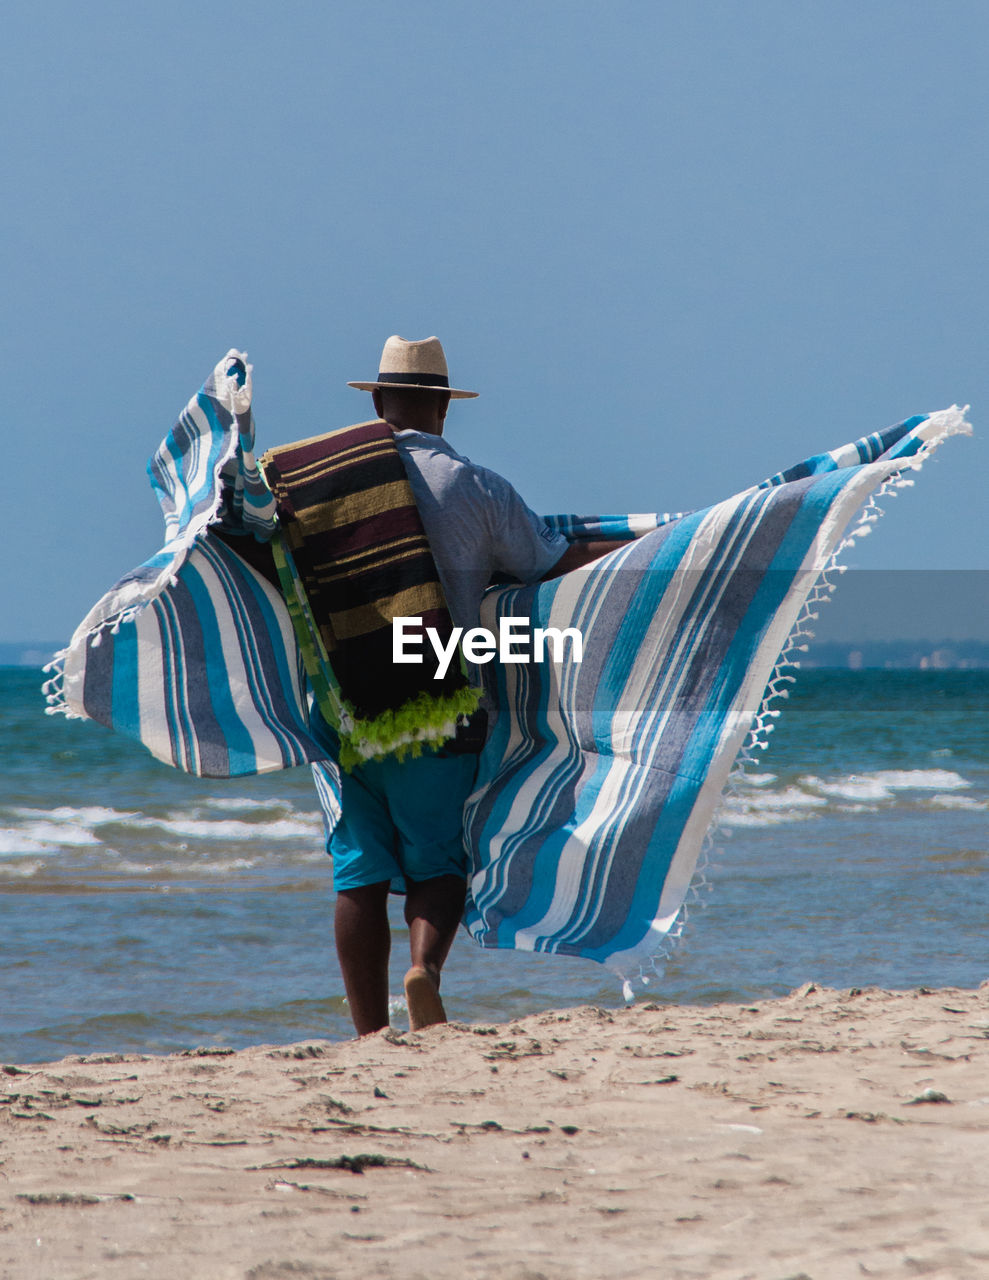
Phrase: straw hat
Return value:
(413, 364)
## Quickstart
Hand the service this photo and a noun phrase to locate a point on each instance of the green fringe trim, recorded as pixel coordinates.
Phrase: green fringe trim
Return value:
(314, 659)
(423, 721)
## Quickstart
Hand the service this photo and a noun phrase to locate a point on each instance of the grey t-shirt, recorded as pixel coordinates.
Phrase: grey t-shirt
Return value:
(477, 525)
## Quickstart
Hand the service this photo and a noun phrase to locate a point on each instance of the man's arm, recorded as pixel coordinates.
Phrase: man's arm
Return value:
(578, 554)
(522, 541)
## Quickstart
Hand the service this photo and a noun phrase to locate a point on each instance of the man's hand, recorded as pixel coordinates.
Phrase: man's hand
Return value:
(233, 375)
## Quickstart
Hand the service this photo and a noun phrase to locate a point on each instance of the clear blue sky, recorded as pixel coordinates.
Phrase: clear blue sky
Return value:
(676, 246)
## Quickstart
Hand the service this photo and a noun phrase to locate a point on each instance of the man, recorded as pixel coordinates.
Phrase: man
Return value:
(401, 823)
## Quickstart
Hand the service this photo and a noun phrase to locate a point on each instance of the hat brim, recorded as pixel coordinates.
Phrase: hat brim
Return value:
(455, 392)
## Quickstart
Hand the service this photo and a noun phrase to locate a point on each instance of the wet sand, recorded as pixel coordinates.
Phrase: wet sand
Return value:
(824, 1135)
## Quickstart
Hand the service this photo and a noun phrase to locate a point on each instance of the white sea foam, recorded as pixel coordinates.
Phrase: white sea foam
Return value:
(244, 803)
(855, 788)
(67, 820)
(64, 829)
(182, 870)
(221, 868)
(881, 785)
(919, 779)
(57, 834)
(22, 870)
(788, 798)
(14, 843)
(231, 829)
(735, 818)
(49, 830)
(769, 808)
(959, 802)
(91, 816)
(754, 803)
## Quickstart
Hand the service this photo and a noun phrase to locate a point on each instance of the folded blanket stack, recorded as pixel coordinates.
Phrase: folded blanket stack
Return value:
(353, 539)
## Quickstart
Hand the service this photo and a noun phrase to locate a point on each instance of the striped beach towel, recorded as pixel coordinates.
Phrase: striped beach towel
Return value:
(599, 780)
(193, 652)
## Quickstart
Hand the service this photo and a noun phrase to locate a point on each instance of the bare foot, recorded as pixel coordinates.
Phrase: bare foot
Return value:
(425, 1006)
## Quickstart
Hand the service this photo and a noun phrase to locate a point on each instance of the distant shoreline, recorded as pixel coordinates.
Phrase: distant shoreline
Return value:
(849, 655)
(898, 655)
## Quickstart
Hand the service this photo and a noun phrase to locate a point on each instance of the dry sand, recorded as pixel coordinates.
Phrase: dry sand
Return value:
(824, 1135)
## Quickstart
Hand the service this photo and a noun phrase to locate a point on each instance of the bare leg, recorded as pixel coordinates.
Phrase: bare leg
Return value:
(432, 911)
(363, 946)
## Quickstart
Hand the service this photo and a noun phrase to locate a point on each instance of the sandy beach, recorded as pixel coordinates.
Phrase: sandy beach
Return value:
(826, 1134)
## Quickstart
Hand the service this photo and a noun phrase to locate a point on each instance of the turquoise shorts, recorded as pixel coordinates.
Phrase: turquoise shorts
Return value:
(402, 821)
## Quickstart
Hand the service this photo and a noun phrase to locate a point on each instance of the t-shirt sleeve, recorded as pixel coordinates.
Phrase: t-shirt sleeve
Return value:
(524, 545)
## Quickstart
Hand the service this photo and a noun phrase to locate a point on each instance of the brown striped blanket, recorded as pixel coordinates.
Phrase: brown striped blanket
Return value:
(358, 547)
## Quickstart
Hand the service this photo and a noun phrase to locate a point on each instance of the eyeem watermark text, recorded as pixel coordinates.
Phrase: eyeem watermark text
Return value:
(514, 642)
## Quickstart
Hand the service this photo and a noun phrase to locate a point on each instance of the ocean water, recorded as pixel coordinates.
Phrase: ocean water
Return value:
(144, 910)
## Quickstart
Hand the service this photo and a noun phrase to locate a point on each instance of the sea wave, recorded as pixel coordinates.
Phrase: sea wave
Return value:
(767, 808)
(164, 870)
(58, 834)
(858, 790)
(752, 802)
(88, 816)
(959, 802)
(245, 804)
(882, 784)
(920, 779)
(230, 828)
(20, 870)
(53, 830)
(124, 841)
(15, 842)
(67, 825)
